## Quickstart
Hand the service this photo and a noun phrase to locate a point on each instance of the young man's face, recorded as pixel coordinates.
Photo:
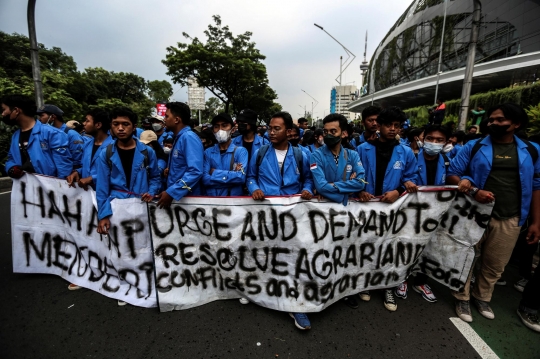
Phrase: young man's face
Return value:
(303, 125)
(167, 144)
(453, 140)
(294, 136)
(332, 128)
(497, 118)
(370, 124)
(44, 118)
(435, 137)
(89, 126)
(170, 120)
(122, 128)
(277, 132)
(472, 130)
(390, 130)
(221, 125)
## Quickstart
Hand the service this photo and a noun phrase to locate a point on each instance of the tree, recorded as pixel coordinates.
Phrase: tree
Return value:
(160, 91)
(230, 67)
(211, 108)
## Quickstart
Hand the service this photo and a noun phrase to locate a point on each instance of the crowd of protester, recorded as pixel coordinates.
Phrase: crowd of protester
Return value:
(170, 157)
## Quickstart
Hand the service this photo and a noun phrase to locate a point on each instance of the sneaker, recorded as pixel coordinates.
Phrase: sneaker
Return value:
(500, 281)
(350, 301)
(426, 292)
(530, 320)
(244, 301)
(121, 303)
(389, 301)
(521, 284)
(72, 286)
(301, 320)
(484, 309)
(365, 296)
(401, 290)
(463, 310)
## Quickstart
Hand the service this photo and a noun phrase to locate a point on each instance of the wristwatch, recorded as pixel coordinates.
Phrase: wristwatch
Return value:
(473, 191)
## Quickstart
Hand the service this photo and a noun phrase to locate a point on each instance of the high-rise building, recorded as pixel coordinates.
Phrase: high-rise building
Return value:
(340, 97)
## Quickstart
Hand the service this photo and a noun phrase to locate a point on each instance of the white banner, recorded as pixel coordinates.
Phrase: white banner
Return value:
(54, 231)
(299, 256)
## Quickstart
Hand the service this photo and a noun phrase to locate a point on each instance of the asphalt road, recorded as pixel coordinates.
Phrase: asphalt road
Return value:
(40, 318)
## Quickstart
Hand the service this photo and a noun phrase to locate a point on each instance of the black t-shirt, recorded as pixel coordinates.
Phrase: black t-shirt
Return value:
(383, 151)
(126, 157)
(248, 146)
(94, 149)
(431, 170)
(26, 161)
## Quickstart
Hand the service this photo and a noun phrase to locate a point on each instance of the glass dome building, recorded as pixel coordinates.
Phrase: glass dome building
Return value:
(404, 66)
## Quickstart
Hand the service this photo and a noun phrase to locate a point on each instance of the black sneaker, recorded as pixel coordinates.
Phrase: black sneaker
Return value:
(389, 300)
(530, 320)
(350, 301)
(500, 281)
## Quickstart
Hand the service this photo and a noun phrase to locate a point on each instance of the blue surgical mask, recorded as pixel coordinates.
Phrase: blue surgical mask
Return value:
(433, 149)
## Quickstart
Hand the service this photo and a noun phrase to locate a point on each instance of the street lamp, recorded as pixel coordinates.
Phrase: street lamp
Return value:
(312, 105)
(347, 62)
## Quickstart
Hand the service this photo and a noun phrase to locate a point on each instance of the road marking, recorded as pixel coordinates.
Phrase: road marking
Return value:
(474, 339)
(5, 192)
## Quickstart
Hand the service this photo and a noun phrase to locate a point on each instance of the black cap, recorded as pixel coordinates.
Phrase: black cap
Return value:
(222, 116)
(52, 109)
(248, 116)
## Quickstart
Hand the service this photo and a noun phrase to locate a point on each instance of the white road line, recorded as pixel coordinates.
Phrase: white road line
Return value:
(474, 339)
(5, 192)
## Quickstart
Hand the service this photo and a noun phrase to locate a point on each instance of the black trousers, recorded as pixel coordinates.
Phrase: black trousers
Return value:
(531, 294)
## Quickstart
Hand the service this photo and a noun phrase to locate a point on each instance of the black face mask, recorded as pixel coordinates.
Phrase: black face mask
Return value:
(498, 131)
(243, 129)
(294, 142)
(331, 141)
(9, 121)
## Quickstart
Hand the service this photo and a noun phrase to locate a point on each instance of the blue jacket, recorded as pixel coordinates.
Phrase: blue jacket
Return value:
(48, 151)
(112, 179)
(401, 168)
(166, 134)
(455, 151)
(185, 165)
(268, 176)
(76, 145)
(224, 178)
(440, 175)
(477, 169)
(258, 142)
(324, 171)
(89, 164)
(138, 132)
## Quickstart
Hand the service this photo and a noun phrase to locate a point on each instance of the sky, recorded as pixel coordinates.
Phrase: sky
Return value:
(132, 36)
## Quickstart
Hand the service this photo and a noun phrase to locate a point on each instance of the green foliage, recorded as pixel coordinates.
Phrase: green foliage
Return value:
(160, 91)
(228, 66)
(525, 96)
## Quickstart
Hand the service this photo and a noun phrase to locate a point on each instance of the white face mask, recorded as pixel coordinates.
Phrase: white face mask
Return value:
(321, 141)
(420, 144)
(157, 126)
(167, 150)
(432, 149)
(447, 148)
(222, 136)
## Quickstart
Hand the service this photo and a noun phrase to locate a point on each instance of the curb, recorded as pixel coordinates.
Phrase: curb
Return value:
(5, 184)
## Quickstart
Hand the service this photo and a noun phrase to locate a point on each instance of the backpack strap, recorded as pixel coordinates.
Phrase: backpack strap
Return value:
(345, 154)
(108, 153)
(299, 157)
(475, 149)
(446, 161)
(66, 130)
(533, 151)
(232, 159)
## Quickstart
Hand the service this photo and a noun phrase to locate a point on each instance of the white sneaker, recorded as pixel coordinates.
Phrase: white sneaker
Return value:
(389, 301)
(121, 303)
(521, 284)
(244, 301)
(365, 296)
(401, 290)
